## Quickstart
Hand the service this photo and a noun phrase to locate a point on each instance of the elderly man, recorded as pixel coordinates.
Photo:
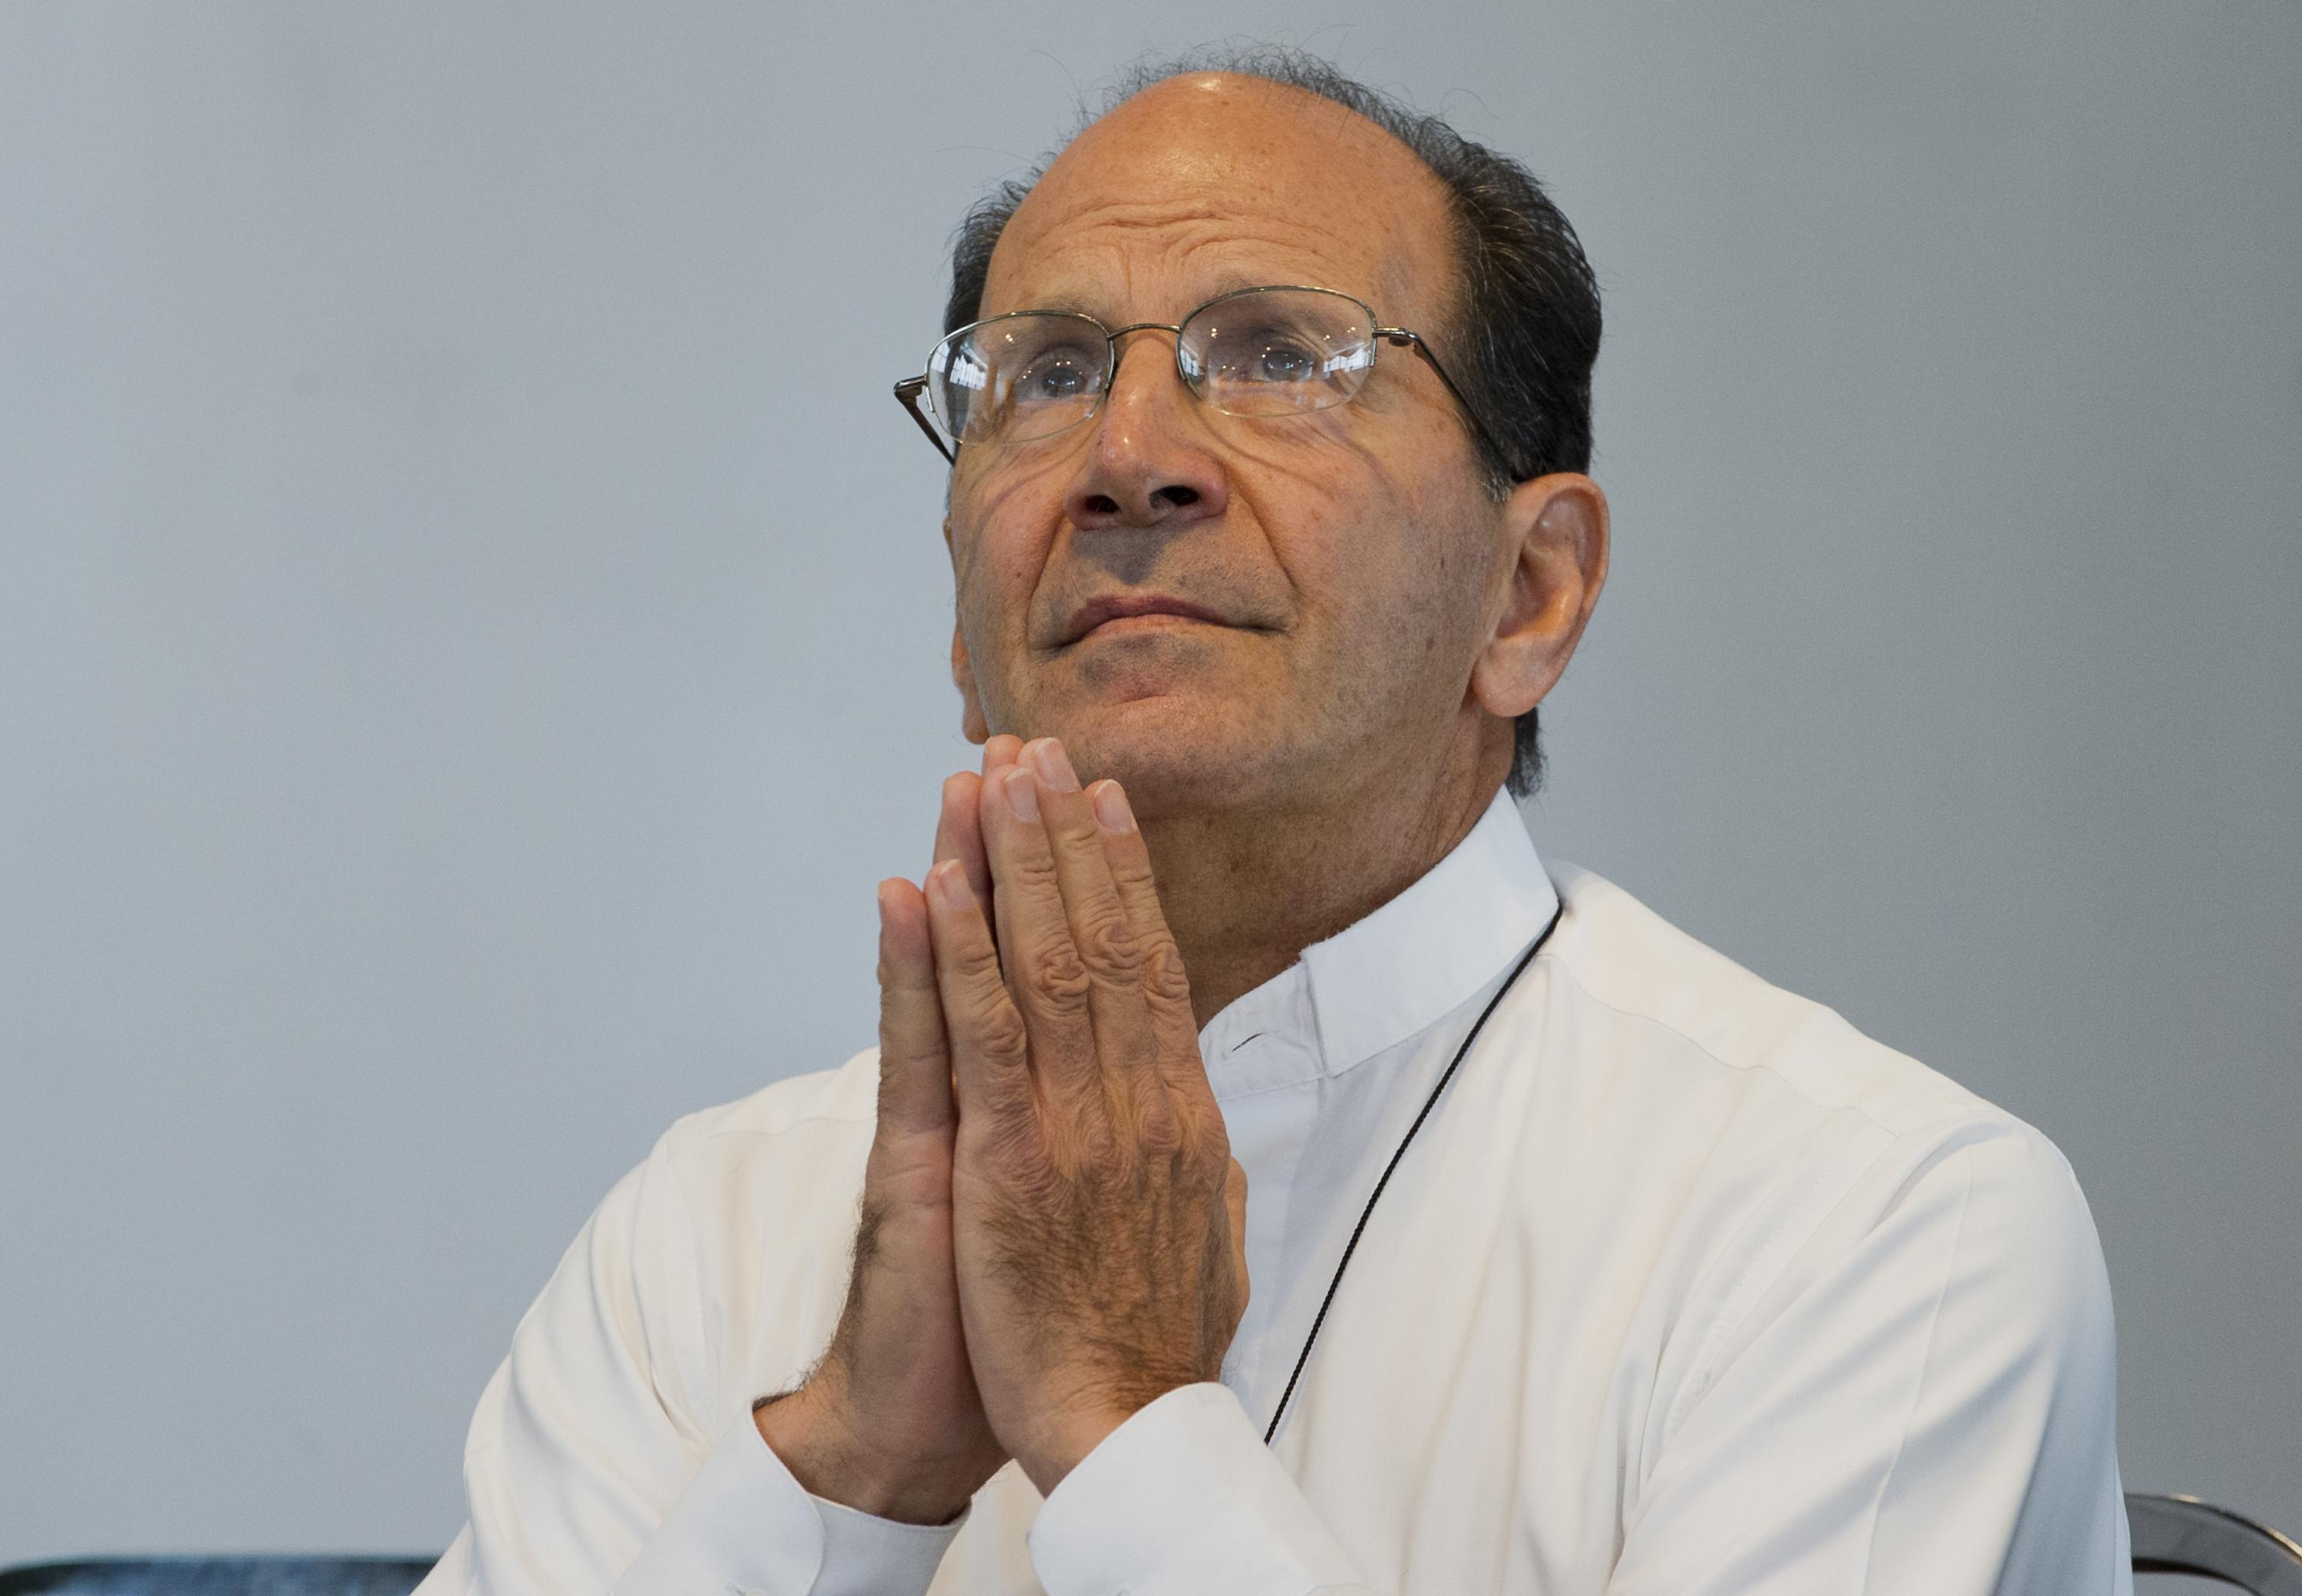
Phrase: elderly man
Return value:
(1271, 1178)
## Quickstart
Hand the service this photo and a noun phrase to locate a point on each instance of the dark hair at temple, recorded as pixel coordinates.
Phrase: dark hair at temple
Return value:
(1527, 306)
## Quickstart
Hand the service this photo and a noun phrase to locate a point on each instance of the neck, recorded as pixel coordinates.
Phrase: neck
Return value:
(1246, 890)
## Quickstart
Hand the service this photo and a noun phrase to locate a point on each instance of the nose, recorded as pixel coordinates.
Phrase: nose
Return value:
(1149, 463)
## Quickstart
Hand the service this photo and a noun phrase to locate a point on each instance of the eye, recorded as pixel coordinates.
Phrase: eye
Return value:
(1055, 372)
(1282, 360)
(1270, 347)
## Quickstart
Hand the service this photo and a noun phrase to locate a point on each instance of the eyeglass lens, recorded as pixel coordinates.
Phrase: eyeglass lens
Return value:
(1263, 352)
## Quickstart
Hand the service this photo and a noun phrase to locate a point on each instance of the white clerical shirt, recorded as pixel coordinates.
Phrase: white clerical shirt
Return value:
(1685, 1289)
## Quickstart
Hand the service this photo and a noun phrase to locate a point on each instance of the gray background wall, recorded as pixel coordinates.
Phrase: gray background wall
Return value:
(472, 632)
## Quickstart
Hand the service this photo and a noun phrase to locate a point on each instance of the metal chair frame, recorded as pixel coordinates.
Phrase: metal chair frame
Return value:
(2181, 1534)
(218, 1576)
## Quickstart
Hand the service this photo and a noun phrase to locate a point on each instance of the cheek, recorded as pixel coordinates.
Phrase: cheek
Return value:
(1389, 588)
(999, 540)
(1349, 541)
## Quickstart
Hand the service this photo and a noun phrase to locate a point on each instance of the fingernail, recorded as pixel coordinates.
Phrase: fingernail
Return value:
(1110, 810)
(1022, 793)
(948, 882)
(1055, 769)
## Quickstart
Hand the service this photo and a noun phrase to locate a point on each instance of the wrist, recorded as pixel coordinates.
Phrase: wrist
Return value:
(816, 1437)
(1063, 1442)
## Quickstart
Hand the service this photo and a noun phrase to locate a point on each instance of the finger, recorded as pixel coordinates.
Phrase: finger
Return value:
(914, 1054)
(999, 753)
(990, 1050)
(1235, 1201)
(959, 831)
(1042, 962)
(1101, 928)
(1166, 989)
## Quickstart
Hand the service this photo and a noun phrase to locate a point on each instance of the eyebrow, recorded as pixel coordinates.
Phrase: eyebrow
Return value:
(1230, 283)
(1076, 302)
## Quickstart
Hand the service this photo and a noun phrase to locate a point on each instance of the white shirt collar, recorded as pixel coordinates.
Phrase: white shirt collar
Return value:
(1414, 961)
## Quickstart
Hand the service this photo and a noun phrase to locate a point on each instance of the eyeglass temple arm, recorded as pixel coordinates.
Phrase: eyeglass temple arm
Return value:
(1413, 340)
(907, 394)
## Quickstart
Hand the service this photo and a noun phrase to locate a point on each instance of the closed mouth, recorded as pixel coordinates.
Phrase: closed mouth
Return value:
(1156, 610)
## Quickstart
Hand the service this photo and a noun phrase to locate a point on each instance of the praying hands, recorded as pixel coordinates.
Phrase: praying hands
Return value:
(1052, 1223)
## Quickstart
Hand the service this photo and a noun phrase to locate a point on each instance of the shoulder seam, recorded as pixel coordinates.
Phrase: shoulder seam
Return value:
(1953, 1110)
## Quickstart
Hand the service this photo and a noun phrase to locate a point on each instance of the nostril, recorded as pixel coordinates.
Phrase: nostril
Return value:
(1139, 504)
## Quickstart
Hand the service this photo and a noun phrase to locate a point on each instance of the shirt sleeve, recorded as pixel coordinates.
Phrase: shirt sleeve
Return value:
(595, 1461)
(1927, 1408)
(1182, 1500)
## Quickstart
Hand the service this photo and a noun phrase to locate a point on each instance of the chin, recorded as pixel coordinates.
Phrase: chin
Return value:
(1173, 755)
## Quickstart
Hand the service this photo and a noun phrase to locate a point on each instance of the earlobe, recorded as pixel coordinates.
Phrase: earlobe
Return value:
(1556, 534)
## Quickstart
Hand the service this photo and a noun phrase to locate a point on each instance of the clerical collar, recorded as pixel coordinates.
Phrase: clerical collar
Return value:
(1411, 962)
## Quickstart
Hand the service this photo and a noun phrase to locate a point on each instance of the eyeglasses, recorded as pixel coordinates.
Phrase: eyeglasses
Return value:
(1259, 352)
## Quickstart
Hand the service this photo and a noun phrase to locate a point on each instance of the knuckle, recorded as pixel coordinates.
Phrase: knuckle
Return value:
(899, 986)
(1158, 1130)
(1130, 869)
(1098, 1143)
(977, 965)
(1109, 946)
(1163, 972)
(1015, 1145)
(1000, 1037)
(1008, 1158)
(1054, 971)
(1035, 869)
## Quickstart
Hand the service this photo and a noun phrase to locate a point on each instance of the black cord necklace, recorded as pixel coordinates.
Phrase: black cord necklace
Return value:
(1429, 1104)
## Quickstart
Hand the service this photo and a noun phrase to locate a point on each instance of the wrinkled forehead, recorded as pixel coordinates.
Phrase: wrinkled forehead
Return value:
(1211, 182)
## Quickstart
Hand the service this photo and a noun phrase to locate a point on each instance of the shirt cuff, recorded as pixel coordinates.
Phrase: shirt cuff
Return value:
(1182, 1500)
(745, 1525)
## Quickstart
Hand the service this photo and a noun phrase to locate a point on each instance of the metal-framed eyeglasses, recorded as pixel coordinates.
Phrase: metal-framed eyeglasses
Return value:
(1282, 350)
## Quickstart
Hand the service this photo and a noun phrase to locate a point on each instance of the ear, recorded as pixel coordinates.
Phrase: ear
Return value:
(972, 723)
(1555, 528)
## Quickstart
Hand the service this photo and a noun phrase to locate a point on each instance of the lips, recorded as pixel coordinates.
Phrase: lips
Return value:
(1125, 606)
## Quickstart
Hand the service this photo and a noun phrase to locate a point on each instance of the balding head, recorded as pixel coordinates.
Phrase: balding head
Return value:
(1230, 172)
(1354, 586)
